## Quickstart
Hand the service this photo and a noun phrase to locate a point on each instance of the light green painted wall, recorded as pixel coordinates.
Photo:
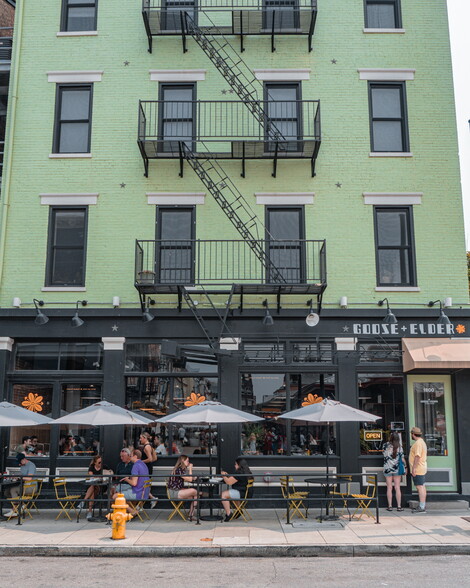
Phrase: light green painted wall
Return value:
(337, 215)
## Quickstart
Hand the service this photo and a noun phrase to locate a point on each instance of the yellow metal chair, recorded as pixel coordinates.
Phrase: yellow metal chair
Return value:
(140, 504)
(66, 501)
(295, 499)
(37, 494)
(178, 507)
(341, 489)
(364, 500)
(27, 499)
(239, 506)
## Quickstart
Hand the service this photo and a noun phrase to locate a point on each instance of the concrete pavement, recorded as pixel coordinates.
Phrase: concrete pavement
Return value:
(437, 532)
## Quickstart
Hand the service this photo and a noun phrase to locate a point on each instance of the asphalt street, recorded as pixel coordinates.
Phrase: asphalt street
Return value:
(216, 572)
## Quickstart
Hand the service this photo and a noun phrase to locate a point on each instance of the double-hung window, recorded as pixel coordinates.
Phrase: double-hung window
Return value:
(67, 246)
(388, 118)
(175, 245)
(382, 14)
(284, 113)
(395, 258)
(285, 234)
(177, 116)
(79, 15)
(72, 133)
(280, 14)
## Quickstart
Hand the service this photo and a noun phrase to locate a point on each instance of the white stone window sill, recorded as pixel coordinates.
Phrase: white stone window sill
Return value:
(390, 154)
(385, 31)
(397, 289)
(63, 289)
(70, 156)
(77, 34)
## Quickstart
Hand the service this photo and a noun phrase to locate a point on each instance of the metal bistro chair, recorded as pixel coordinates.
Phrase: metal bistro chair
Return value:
(239, 510)
(178, 506)
(37, 494)
(26, 498)
(66, 501)
(140, 505)
(341, 489)
(364, 500)
(295, 499)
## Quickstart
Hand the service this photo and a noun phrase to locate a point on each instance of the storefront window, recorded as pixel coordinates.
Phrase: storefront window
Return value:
(59, 356)
(145, 357)
(381, 395)
(430, 415)
(78, 440)
(37, 398)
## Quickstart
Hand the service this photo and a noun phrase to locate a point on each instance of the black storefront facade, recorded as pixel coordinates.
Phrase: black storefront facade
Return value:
(351, 355)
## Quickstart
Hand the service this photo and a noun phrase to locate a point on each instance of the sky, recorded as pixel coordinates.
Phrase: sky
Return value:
(459, 20)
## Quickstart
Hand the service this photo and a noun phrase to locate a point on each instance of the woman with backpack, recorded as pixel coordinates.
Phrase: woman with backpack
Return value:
(394, 468)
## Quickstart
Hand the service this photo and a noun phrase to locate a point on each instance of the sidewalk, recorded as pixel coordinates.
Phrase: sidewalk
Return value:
(437, 532)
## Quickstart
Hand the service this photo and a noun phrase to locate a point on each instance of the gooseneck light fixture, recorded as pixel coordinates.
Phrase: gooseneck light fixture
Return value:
(443, 318)
(76, 320)
(312, 319)
(41, 318)
(146, 315)
(268, 320)
(389, 318)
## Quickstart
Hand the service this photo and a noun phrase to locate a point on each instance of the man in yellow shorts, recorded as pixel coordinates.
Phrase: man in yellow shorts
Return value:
(418, 467)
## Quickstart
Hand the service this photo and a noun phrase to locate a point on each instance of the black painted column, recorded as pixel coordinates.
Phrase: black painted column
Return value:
(349, 444)
(462, 426)
(6, 345)
(113, 391)
(230, 435)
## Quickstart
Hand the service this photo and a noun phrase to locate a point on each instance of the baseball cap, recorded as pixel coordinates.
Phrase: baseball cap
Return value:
(416, 431)
(20, 457)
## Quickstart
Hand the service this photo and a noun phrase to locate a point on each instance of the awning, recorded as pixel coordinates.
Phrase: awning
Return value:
(431, 354)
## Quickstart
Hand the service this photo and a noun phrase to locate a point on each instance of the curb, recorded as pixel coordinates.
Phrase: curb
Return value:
(232, 551)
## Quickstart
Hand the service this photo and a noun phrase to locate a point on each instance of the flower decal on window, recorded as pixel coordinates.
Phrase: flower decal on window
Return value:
(33, 402)
(311, 399)
(460, 329)
(193, 399)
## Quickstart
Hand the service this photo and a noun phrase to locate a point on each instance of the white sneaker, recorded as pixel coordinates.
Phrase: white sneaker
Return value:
(153, 502)
(89, 516)
(81, 506)
(10, 513)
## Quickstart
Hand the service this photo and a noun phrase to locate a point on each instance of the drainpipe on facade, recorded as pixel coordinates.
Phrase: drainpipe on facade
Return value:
(11, 117)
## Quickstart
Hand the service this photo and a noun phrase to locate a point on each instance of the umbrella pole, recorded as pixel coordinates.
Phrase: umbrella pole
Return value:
(210, 450)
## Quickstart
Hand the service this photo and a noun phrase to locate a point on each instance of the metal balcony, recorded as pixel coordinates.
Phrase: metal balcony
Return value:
(290, 267)
(226, 129)
(231, 17)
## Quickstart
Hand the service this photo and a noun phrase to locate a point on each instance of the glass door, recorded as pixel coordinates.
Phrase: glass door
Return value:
(430, 409)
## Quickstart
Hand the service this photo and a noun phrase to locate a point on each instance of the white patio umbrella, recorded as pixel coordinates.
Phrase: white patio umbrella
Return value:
(101, 414)
(326, 411)
(210, 413)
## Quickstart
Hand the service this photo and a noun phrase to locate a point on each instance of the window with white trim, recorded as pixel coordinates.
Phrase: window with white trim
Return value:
(382, 14)
(388, 117)
(72, 129)
(79, 15)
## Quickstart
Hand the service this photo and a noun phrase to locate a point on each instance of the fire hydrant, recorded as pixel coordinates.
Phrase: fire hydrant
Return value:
(119, 517)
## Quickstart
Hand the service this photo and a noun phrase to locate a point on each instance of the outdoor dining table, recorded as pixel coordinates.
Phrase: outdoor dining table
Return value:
(102, 483)
(210, 484)
(326, 484)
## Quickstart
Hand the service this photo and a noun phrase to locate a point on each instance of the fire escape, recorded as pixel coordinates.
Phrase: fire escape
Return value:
(254, 265)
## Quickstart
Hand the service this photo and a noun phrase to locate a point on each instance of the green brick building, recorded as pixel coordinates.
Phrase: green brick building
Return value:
(232, 197)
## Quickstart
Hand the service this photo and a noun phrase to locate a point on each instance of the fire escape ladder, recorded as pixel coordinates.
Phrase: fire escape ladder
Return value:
(236, 72)
(193, 307)
(234, 205)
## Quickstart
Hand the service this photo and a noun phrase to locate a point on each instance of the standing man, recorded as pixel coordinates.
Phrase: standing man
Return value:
(418, 467)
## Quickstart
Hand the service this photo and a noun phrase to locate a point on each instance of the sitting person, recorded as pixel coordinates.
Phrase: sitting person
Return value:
(139, 476)
(183, 472)
(123, 470)
(160, 448)
(27, 471)
(95, 469)
(238, 485)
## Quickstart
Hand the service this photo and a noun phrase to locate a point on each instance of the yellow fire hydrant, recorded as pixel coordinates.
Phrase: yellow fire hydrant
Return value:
(119, 517)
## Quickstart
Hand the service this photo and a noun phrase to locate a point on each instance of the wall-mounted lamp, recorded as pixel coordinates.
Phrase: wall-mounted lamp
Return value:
(146, 315)
(268, 320)
(76, 320)
(443, 318)
(312, 319)
(116, 302)
(447, 302)
(16, 303)
(41, 318)
(389, 318)
(343, 302)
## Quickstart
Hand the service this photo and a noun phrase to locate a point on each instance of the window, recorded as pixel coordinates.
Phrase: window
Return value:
(78, 440)
(430, 415)
(66, 249)
(175, 245)
(283, 107)
(172, 12)
(73, 119)
(394, 246)
(59, 356)
(280, 14)
(177, 116)
(389, 129)
(285, 228)
(79, 15)
(383, 14)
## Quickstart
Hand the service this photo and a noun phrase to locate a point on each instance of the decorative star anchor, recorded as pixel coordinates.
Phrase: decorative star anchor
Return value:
(114, 328)
(334, 61)
(224, 91)
(123, 185)
(338, 184)
(127, 63)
